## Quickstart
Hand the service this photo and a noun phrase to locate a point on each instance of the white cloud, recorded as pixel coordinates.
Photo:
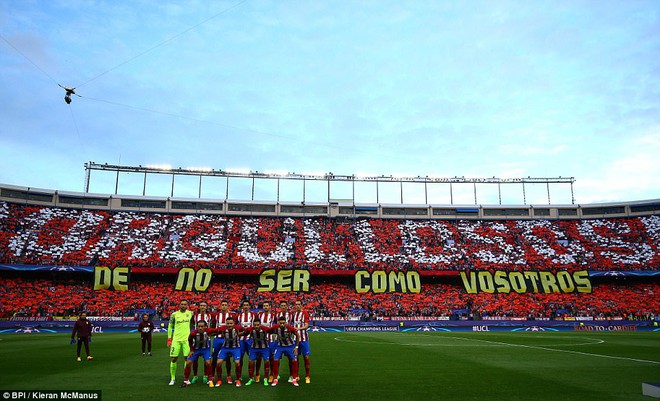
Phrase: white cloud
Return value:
(633, 176)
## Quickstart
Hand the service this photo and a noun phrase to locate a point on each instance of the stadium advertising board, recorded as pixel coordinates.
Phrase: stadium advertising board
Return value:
(103, 327)
(370, 328)
(590, 327)
(28, 318)
(529, 281)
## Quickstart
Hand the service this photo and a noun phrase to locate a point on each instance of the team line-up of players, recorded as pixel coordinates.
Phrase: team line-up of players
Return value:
(220, 337)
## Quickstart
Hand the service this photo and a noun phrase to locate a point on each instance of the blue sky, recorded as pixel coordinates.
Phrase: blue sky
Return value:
(463, 88)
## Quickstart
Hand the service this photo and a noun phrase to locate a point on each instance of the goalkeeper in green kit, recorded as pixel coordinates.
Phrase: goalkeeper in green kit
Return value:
(178, 341)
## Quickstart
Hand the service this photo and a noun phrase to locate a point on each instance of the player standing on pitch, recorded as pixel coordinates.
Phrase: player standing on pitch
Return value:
(177, 335)
(268, 319)
(301, 323)
(286, 314)
(83, 328)
(202, 315)
(260, 349)
(245, 319)
(231, 347)
(145, 328)
(219, 321)
(199, 342)
(287, 344)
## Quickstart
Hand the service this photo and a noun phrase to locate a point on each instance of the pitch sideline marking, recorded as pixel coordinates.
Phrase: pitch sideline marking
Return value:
(491, 344)
(563, 350)
(595, 341)
(495, 343)
(343, 340)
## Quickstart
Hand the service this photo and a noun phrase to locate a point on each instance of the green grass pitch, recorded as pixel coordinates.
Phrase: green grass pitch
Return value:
(363, 366)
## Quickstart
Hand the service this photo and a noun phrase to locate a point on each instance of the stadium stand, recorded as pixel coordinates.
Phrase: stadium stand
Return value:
(65, 297)
(43, 235)
(37, 235)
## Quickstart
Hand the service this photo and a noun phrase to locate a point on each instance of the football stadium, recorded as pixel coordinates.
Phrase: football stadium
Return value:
(553, 303)
(408, 200)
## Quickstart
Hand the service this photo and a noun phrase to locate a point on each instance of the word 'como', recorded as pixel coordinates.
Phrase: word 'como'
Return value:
(380, 281)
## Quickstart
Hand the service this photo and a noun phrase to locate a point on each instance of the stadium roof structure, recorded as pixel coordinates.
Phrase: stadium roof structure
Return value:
(326, 177)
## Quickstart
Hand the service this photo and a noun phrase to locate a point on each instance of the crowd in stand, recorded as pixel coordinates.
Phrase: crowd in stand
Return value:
(57, 297)
(39, 235)
(56, 236)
